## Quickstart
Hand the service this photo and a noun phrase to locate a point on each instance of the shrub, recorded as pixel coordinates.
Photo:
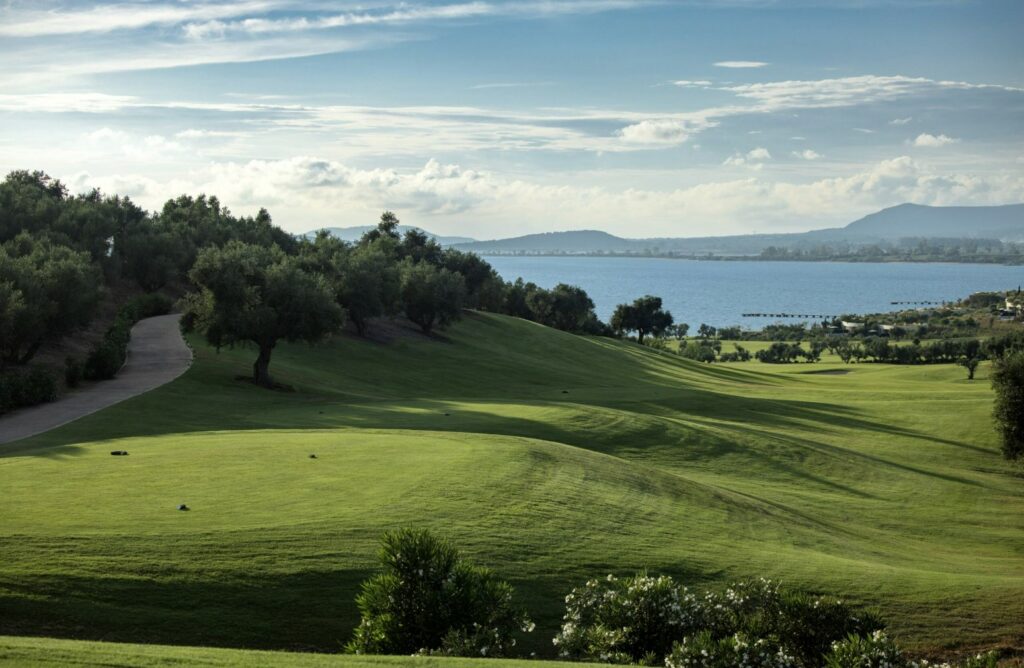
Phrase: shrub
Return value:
(874, 651)
(72, 372)
(642, 619)
(1008, 382)
(26, 388)
(700, 351)
(149, 305)
(108, 356)
(630, 620)
(705, 651)
(429, 599)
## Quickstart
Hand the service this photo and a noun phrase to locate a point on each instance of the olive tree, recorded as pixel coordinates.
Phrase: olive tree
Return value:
(431, 296)
(48, 292)
(644, 316)
(257, 294)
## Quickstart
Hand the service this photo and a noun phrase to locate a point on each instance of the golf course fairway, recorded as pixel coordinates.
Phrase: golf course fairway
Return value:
(549, 457)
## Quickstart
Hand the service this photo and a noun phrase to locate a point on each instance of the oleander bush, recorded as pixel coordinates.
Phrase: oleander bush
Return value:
(651, 621)
(704, 650)
(628, 620)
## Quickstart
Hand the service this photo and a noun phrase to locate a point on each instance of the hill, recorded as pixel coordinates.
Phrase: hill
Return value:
(351, 234)
(549, 457)
(892, 224)
(914, 220)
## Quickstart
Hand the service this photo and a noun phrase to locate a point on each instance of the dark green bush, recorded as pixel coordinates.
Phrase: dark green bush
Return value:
(72, 372)
(20, 389)
(108, 356)
(428, 599)
(149, 305)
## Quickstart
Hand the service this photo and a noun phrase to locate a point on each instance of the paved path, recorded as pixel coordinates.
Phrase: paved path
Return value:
(156, 355)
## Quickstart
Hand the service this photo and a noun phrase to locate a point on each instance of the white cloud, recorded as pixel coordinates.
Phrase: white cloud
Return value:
(932, 141)
(119, 16)
(89, 103)
(740, 64)
(319, 192)
(864, 131)
(901, 121)
(684, 83)
(807, 154)
(753, 159)
(659, 132)
(193, 133)
(202, 19)
(846, 91)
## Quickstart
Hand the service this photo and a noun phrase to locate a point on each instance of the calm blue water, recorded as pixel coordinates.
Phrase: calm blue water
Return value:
(717, 293)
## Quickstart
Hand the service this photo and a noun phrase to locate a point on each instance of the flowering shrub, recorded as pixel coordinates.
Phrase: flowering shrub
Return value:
(878, 651)
(705, 651)
(874, 651)
(429, 600)
(629, 620)
(639, 619)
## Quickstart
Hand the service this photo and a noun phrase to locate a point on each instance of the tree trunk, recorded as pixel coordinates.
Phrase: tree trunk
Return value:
(640, 336)
(261, 368)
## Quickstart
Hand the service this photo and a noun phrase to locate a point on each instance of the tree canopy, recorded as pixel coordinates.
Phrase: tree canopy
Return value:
(254, 294)
(644, 316)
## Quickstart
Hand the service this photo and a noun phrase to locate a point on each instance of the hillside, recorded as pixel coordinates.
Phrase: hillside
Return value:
(351, 234)
(892, 224)
(550, 457)
(914, 220)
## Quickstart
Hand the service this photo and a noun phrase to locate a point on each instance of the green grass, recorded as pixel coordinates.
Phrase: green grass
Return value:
(50, 652)
(549, 457)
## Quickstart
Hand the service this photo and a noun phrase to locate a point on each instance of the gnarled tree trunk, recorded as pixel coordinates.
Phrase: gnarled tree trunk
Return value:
(261, 367)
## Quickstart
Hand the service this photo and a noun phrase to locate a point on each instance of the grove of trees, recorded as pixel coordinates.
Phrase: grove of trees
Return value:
(243, 280)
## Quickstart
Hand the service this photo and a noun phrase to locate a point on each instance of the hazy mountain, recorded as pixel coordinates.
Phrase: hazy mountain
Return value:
(892, 224)
(354, 233)
(914, 220)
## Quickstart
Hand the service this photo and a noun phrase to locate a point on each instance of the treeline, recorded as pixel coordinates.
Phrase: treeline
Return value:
(909, 249)
(428, 599)
(263, 295)
(242, 279)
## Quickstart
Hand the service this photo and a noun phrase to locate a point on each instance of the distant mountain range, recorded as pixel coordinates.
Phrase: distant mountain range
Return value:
(888, 225)
(899, 222)
(354, 233)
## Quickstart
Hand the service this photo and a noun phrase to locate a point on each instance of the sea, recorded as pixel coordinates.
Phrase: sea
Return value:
(725, 293)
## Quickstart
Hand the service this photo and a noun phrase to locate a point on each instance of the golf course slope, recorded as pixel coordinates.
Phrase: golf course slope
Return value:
(549, 457)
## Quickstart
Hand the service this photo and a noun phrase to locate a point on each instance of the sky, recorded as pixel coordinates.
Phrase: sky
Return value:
(492, 118)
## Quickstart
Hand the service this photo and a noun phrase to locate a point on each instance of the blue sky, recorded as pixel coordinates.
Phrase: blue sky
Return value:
(492, 118)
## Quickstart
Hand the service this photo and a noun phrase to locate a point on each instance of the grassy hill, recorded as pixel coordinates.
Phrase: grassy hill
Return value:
(39, 652)
(549, 457)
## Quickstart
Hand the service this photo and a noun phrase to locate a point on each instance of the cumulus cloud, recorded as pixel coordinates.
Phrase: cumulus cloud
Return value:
(926, 140)
(659, 132)
(740, 64)
(807, 154)
(319, 192)
(753, 158)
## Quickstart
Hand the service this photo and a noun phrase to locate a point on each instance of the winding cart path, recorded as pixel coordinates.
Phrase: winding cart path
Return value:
(157, 354)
